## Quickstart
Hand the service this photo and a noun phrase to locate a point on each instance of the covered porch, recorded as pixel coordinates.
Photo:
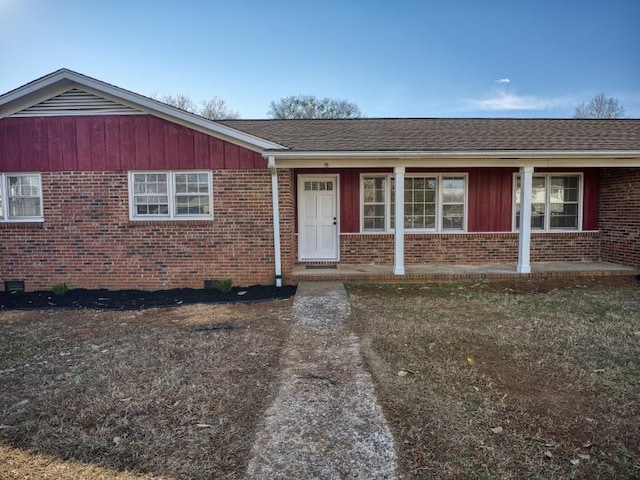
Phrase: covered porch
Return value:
(384, 273)
(409, 200)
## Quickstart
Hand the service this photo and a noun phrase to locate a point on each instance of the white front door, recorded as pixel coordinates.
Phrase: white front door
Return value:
(318, 218)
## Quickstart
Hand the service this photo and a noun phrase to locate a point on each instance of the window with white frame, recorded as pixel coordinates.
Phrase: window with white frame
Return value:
(170, 195)
(431, 202)
(374, 203)
(556, 202)
(20, 197)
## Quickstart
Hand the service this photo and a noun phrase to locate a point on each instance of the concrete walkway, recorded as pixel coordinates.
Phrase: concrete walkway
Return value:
(325, 421)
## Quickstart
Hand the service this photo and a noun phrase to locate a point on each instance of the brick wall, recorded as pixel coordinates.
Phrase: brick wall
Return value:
(619, 215)
(87, 239)
(469, 248)
(288, 248)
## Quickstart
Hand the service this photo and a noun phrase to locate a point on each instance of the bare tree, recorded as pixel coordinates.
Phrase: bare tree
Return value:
(213, 109)
(310, 106)
(600, 106)
(180, 101)
(217, 109)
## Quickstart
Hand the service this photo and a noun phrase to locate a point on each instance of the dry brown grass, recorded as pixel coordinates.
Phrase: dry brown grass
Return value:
(552, 367)
(94, 395)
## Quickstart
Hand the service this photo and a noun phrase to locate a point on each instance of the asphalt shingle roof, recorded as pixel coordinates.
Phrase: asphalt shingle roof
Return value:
(444, 134)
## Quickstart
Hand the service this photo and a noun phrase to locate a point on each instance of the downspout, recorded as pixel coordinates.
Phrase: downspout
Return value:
(276, 220)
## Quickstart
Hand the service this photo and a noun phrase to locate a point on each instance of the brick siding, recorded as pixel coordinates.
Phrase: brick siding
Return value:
(87, 239)
(619, 215)
(286, 200)
(470, 248)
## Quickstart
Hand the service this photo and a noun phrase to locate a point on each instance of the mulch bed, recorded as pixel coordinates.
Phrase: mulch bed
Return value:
(103, 299)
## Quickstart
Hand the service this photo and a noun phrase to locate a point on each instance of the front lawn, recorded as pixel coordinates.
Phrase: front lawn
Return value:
(171, 393)
(507, 380)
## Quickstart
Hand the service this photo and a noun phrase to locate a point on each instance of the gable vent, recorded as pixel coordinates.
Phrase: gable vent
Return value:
(76, 102)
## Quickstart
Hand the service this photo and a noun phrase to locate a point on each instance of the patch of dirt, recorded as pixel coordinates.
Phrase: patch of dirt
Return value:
(154, 393)
(509, 379)
(102, 299)
(544, 285)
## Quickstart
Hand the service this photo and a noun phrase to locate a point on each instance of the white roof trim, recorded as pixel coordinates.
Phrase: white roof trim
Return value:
(504, 154)
(61, 80)
(537, 159)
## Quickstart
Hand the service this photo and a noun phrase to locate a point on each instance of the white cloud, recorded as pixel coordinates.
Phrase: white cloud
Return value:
(504, 80)
(509, 101)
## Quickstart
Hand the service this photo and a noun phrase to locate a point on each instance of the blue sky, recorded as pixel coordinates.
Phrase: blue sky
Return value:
(456, 58)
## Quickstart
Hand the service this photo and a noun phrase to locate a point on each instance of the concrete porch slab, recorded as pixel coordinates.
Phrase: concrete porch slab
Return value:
(374, 273)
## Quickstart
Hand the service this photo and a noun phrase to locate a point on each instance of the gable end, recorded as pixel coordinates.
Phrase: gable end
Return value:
(76, 102)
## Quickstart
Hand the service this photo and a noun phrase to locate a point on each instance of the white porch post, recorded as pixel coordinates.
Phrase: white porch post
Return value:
(398, 262)
(524, 238)
(276, 220)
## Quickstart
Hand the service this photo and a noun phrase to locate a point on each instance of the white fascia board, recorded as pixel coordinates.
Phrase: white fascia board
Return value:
(61, 80)
(32, 94)
(539, 159)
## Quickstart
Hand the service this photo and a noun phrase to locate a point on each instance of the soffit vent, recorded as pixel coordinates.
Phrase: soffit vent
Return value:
(76, 102)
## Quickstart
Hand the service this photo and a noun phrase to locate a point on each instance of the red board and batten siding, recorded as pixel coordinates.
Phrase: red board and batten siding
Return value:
(114, 143)
(489, 201)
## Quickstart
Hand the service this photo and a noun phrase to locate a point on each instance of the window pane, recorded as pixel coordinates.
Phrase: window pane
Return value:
(564, 198)
(539, 191)
(374, 189)
(419, 198)
(452, 216)
(192, 193)
(453, 196)
(564, 189)
(453, 209)
(24, 207)
(564, 216)
(23, 196)
(417, 221)
(537, 216)
(374, 210)
(150, 191)
(453, 203)
(374, 224)
(537, 222)
(192, 205)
